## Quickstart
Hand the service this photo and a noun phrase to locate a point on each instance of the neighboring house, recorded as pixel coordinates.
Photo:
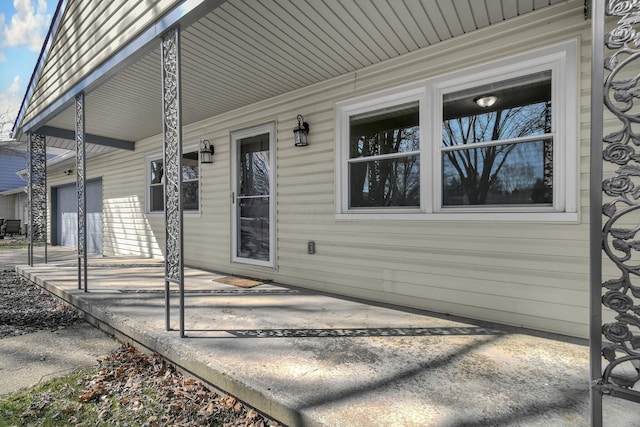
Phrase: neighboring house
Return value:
(13, 196)
(447, 163)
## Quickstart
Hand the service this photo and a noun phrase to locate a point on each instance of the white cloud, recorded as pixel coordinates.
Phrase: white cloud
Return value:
(10, 99)
(27, 26)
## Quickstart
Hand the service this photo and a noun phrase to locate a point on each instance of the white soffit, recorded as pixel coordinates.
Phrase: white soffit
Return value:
(246, 51)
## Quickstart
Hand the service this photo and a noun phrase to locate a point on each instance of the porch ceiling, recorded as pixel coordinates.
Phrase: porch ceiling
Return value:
(246, 51)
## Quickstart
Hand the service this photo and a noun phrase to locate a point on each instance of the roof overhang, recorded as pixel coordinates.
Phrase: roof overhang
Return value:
(236, 53)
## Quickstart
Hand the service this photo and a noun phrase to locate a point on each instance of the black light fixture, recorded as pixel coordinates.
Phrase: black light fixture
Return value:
(206, 155)
(300, 132)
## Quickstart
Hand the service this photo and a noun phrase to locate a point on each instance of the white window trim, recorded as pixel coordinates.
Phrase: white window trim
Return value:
(194, 146)
(342, 125)
(561, 59)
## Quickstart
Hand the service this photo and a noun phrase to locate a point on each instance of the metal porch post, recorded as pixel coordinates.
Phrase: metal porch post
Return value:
(80, 188)
(595, 214)
(172, 163)
(615, 196)
(37, 221)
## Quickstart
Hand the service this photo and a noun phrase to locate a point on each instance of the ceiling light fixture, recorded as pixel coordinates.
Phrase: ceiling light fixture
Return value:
(485, 101)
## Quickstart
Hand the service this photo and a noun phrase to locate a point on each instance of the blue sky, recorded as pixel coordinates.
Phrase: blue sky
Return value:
(23, 26)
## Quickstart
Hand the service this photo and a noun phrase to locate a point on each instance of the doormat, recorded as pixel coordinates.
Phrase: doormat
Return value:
(241, 282)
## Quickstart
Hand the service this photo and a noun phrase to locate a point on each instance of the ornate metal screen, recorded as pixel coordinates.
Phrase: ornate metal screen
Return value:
(616, 295)
(37, 221)
(80, 187)
(172, 135)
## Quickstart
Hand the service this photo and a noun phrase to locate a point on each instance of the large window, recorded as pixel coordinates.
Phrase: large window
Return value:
(497, 144)
(190, 183)
(494, 142)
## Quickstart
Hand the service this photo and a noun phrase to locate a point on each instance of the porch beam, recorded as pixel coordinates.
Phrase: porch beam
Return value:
(90, 138)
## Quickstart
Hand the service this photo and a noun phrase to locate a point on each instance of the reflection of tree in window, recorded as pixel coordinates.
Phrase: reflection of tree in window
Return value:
(384, 166)
(190, 183)
(477, 169)
(254, 164)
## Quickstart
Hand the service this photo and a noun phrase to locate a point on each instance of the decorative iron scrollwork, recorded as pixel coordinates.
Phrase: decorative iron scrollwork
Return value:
(172, 154)
(37, 188)
(80, 178)
(621, 241)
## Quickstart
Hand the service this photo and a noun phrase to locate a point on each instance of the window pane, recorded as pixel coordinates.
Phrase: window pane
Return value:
(156, 195)
(254, 166)
(522, 108)
(385, 131)
(527, 120)
(190, 195)
(156, 172)
(389, 182)
(254, 228)
(512, 174)
(190, 185)
(190, 166)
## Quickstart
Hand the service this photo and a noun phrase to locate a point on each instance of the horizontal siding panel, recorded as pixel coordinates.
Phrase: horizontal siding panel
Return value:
(356, 255)
(482, 300)
(491, 285)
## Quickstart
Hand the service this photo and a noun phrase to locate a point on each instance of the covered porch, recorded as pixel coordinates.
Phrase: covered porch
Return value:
(308, 358)
(171, 76)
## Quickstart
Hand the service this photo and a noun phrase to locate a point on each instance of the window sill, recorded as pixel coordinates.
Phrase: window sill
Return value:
(185, 213)
(564, 217)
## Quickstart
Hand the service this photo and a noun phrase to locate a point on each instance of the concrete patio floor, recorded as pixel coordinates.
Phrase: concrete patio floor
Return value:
(307, 359)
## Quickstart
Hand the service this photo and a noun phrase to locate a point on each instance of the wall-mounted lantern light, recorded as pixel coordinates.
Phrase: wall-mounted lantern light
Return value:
(485, 100)
(206, 155)
(300, 132)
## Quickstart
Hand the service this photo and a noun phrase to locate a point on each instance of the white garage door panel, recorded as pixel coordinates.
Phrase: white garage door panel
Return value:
(67, 216)
(68, 230)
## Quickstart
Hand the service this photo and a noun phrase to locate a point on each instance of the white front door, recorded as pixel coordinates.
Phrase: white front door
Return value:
(253, 196)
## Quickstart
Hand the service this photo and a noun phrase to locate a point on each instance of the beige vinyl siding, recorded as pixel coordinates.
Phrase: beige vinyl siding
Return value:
(524, 274)
(126, 230)
(518, 273)
(90, 32)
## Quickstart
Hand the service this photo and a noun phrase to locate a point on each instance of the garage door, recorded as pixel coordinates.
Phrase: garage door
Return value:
(66, 201)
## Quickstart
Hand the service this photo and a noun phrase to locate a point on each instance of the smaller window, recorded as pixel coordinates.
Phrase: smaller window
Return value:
(190, 183)
(156, 191)
(384, 158)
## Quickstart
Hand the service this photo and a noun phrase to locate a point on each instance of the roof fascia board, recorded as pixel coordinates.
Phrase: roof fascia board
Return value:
(89, 138)
(14, 191)
(184, 14)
